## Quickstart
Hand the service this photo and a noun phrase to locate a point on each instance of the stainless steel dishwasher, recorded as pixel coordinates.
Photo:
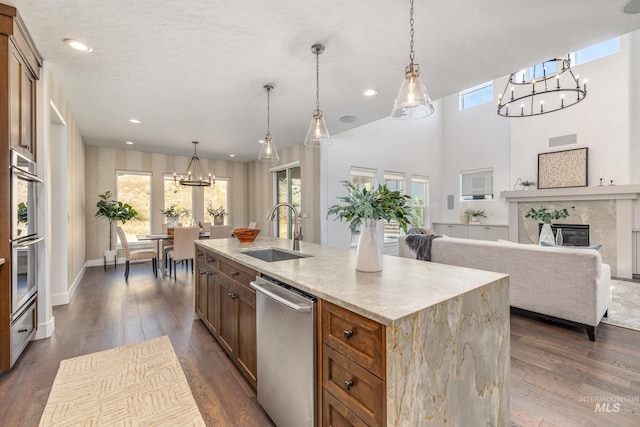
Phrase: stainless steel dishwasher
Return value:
(286, 342)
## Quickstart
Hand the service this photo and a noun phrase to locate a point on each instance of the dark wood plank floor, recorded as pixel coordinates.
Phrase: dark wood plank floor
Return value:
(558, 376)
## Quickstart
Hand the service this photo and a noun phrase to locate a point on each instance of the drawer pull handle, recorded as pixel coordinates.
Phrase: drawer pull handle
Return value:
(487, 228)
(450, 226)
(348, 384)
(232, 295)
(204, 272)
(200, 254)
(348, 334)
(23, 330)
(234, 273)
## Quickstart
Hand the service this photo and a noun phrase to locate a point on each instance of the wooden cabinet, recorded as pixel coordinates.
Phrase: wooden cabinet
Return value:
(473, 231)
(353, 369)
(227, 306)
(19, 70)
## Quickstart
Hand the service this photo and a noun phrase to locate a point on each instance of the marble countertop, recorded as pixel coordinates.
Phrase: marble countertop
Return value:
(403, 287)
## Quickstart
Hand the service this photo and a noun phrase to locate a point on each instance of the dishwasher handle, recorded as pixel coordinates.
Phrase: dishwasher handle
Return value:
(300, 308)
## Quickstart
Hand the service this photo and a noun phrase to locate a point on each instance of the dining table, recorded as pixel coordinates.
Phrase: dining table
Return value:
(158, 238)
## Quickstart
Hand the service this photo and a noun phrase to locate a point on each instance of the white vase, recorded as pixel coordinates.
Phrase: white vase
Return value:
(369, 256)
(546, 235)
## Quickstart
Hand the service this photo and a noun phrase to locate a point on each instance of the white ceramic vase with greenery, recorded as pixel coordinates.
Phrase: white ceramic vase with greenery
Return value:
(173, 215)
(363, 209)
(546, 216)
(218, 214)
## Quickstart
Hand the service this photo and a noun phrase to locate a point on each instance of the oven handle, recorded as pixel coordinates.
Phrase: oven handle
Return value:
(28, 243)
(25, 176)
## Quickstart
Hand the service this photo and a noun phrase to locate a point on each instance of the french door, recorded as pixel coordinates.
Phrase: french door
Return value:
(288, 186)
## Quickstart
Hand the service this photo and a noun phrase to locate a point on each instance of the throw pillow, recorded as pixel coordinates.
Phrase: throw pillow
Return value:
(596, 247)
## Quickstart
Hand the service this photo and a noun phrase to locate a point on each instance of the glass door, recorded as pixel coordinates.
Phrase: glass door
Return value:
(288, 190)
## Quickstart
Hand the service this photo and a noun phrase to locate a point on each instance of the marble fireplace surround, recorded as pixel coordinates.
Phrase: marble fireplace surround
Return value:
(609, 211)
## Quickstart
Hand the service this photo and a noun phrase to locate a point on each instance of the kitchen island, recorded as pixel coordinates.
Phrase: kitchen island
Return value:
(444, 333)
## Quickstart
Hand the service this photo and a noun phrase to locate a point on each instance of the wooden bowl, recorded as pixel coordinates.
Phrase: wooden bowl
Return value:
(246, 235)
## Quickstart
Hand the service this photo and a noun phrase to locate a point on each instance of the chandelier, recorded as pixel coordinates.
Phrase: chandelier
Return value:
(195, 175)
(268, 152)
(541, 89)
(318, 134)
(413, 101)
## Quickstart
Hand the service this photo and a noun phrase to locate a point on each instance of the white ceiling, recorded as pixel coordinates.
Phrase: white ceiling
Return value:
(195, 69)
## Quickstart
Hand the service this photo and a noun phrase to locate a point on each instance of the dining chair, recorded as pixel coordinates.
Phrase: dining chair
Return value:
(137, 255)
(183, 248)
(221, 231)
(206, 226)
(167, 244)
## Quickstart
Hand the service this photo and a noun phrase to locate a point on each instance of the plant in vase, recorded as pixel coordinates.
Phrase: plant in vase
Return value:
(546, 216)
(115, 212)
(475, 215)
(363, 208)
(174, 213)
(218, 214)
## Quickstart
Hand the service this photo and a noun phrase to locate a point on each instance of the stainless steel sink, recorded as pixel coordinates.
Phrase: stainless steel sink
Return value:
(273, 254)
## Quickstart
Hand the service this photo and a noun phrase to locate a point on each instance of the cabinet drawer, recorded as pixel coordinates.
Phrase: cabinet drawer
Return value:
(208, 259)
(359, 390)
(238, 273)
(355, 336)
(451, 230)
(23, 330)
(335, 414)
(488, 232)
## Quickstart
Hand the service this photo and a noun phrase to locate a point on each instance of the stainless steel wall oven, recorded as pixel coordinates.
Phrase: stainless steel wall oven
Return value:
(24, 247)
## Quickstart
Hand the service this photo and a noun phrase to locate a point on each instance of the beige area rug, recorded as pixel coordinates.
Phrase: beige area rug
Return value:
(624, 309)
(134, 385)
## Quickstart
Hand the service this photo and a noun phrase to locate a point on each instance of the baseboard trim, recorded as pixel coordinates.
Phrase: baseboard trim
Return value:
(45, 329)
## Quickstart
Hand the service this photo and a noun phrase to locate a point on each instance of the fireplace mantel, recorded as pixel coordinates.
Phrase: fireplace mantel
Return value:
(624, 196)
(605, 192)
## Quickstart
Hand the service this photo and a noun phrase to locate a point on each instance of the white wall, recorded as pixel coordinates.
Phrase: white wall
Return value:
(412, 147)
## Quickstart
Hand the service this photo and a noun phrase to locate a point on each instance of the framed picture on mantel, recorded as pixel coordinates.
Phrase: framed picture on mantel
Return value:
(563, 169)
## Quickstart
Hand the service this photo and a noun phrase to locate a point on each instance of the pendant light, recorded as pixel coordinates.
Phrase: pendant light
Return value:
(195, 175)
(413, 101)
(268, 152)
(317, 135)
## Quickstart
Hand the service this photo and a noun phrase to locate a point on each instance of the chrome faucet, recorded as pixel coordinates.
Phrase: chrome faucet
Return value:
(297, 229)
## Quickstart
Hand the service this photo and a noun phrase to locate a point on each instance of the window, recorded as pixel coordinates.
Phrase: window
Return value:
(176, 194)
(477, 95)
(134, 188)
(288, 190)
(419, 199)
(395, 182)
(217, 196)
(596, 51)
(363, 178)
(476, 185)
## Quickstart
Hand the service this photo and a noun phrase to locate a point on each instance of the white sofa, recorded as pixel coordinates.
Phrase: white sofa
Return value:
(569, 284)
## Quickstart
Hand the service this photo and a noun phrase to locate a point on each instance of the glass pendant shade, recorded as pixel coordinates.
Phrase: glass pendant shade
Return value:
(268, 152)
(413, 101)
(318, 134)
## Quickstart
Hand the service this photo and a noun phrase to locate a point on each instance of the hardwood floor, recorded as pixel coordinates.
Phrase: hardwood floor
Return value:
(558, 376)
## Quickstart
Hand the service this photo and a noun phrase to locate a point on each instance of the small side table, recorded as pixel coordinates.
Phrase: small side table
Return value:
(115, 261)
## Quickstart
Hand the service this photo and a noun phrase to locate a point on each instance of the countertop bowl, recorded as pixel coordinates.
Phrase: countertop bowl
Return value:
(246, 235)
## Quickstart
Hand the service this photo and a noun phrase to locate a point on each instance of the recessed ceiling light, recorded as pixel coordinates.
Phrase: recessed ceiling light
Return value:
(348, 119)
(370, 92)
(78, 45)
(261, 141)
(232, 155)
(129, 142)
(136, 121)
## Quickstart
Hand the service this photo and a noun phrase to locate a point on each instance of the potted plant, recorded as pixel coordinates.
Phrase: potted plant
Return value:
(475, 215)
(547, 216)
(115, 212)
(364, 208)
(218, 214)
(525, 184)
(173, 214)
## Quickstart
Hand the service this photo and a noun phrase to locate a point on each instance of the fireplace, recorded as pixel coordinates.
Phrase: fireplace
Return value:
(573, 234)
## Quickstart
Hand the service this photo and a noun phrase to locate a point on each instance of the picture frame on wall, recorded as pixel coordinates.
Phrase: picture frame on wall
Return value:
(563, 169)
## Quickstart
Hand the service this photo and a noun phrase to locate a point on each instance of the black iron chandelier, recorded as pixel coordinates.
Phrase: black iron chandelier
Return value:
(195, 175)
(543, 88)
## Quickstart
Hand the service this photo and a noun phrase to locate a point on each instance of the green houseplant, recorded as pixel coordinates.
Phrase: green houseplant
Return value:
(475, 214)
(218, 214)
(547, 216)
(363, 208)
(173, 214)
(115, 211)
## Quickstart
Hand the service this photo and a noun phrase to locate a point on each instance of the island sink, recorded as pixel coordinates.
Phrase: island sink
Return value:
(273, 254)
